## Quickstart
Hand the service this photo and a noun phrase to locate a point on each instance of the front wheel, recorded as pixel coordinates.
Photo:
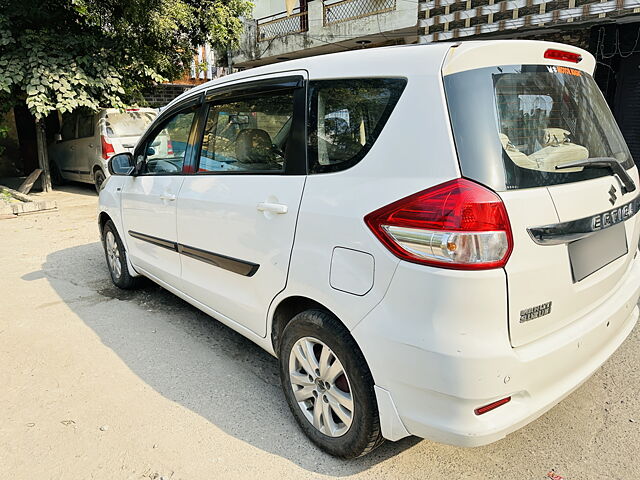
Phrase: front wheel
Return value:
(116, 257)
(328, 385)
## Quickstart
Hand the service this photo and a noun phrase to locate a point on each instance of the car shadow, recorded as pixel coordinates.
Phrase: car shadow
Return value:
(193, 360)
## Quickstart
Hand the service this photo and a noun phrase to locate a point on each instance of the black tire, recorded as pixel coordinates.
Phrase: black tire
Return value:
(363, 435)
(56, 177)
(98, 179)
(123, 278)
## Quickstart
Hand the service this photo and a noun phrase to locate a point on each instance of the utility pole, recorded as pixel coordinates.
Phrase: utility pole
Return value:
(43, 157)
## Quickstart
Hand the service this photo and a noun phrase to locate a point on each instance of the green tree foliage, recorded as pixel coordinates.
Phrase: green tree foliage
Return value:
(66, 54)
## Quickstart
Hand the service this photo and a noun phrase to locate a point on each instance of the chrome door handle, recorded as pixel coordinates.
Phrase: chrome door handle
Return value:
(91, 145)
(273, 208)
(168, 197)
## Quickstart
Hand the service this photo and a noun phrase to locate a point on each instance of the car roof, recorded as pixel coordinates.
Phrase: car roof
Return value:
(371, 62)
(403, 61)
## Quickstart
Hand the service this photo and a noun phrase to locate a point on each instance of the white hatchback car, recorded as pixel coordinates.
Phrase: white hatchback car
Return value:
(435, 240)
(87, 140)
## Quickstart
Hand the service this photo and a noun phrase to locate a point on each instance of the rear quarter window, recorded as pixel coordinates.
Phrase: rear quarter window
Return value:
(346, 117)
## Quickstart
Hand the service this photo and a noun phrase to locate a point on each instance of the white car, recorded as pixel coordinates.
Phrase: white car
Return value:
(87, 140)
(435, 240)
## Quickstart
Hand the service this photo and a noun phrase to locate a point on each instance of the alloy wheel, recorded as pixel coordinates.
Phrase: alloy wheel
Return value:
(113, 254)
(321, 386)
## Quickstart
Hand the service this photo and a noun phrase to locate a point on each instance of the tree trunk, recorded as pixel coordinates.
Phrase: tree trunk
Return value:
(43, 157)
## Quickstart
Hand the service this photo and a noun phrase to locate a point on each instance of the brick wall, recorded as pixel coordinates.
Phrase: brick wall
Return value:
(163, 94)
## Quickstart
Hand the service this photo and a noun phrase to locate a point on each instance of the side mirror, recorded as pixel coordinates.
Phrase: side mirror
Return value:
(151, 151)
(57, 137)
(121, 164)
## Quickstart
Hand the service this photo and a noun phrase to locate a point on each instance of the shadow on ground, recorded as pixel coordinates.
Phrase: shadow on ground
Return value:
(193, 360)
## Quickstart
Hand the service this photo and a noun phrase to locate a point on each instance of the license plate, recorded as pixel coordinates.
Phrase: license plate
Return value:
(590, 254)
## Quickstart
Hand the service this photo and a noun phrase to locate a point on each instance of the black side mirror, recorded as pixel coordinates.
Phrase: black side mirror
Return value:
(121, 164)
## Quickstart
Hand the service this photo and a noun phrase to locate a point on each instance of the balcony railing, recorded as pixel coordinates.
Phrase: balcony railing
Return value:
(281, 24)
(337, 11)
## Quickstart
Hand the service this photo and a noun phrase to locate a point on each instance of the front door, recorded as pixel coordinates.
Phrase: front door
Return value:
(149, 200)
(237, 213)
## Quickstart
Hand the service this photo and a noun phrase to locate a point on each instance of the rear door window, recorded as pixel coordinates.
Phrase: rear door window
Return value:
(68, 131)
(85, 125)
(518, 123)
(250, 134)
(345, 119)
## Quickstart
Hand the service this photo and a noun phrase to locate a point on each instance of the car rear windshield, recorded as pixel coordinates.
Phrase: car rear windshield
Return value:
(513, 125)
(128, 123)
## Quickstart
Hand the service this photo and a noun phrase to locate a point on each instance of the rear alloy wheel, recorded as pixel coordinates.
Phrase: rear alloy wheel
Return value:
(98, 179)
(328, 385)
(321, 386)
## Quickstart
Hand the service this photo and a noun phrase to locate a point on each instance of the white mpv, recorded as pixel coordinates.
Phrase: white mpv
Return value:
(435, 240)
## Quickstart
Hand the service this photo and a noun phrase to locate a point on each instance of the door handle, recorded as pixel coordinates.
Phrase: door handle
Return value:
(273, 208)
(169, 197)
(91, 145)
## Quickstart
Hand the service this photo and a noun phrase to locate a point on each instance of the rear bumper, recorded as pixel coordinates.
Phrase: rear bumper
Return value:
(436, 383)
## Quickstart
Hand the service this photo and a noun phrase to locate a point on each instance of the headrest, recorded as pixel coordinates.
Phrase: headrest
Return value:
(254, 146)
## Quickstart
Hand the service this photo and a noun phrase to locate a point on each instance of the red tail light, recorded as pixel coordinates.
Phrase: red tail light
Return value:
(563, 55)
(458, 224)
(107, 148)
(169, 147)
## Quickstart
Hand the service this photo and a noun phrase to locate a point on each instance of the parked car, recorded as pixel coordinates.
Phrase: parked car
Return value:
(88, 139)
(443, 244)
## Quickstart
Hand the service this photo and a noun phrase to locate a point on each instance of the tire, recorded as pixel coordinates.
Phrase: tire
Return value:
(98, 179)
(56, 176)
(353, 433)
(116, 257)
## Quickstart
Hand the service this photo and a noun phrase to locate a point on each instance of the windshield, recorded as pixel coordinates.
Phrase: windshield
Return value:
(128, 123)
(536, 118)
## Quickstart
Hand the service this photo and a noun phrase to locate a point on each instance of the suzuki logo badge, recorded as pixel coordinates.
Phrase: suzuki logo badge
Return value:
(612, 193)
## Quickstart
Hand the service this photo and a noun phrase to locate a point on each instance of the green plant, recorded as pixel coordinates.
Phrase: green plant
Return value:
(66, 54)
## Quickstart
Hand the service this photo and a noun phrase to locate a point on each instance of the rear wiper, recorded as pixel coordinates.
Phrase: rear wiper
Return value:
(604, 162)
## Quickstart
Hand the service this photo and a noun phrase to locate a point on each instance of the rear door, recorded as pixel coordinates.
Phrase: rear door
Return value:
(62, 152)
(518, 130)
(237, 213)
(149, 199)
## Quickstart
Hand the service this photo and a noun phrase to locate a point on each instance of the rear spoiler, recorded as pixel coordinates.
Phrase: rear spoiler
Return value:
(479, 54)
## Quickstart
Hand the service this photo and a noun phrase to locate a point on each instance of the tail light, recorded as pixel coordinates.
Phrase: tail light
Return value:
(169, 147)
(458, 224)
(107, 148)
(563, 55)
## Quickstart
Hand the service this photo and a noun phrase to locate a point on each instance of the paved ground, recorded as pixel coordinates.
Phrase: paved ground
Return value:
(99, 383)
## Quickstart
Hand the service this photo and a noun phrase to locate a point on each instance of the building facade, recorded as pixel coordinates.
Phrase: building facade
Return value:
(203, 68)
(609, 29)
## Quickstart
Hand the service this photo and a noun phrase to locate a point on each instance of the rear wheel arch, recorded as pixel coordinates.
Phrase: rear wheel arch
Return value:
(287, 309)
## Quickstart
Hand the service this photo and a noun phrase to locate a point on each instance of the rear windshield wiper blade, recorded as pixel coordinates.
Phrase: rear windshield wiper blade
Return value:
(604, 162)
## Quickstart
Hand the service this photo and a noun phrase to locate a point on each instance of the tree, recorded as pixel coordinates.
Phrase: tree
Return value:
(68, 54)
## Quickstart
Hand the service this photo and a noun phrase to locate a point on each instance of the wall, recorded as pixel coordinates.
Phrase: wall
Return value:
(386, 28)
(264, 8)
